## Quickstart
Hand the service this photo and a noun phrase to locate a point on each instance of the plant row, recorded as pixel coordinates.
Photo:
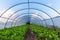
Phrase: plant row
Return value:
(13, 33)
(44, 33)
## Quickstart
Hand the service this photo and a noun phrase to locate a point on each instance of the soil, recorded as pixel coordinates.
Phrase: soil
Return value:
(30, 35)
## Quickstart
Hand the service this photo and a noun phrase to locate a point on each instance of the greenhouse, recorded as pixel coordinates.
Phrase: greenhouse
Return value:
(29, 19)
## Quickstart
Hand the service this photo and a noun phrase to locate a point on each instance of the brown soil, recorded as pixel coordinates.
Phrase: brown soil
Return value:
(30, 35)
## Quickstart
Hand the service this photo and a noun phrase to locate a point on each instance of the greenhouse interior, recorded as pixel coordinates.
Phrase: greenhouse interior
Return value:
(29, 19)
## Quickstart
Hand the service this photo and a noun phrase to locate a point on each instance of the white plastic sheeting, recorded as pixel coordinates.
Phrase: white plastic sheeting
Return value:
(12, 11)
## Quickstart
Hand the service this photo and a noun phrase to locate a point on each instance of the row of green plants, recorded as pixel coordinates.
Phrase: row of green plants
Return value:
(43, 33)
(18, 32)
(13, 33)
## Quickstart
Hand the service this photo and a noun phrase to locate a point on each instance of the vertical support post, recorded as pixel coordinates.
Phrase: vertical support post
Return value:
(28, 13)
(53, 24)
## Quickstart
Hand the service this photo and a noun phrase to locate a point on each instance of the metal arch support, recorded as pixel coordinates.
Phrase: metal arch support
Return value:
(23, 14)
(13, 14)
(47, 15)
(43, 20)
(13, 19)
(22, 10)
(38, 10)
(37, 17)
(27, 15)
(28, 11)
(30, 2)
(33, 18)
(19, 18)
(41, 11)
(53, 18)
(40, 20)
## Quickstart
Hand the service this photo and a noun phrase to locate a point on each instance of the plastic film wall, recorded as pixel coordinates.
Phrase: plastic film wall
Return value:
(40, 12)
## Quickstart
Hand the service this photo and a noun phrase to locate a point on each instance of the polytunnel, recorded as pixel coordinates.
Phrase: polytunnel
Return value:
(29, 20)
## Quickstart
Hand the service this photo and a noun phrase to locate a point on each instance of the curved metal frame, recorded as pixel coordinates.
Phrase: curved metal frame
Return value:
(35, 3)
(33, 18)
(25, 9)
(37, 15)
(27, 15)
(18, 17)
(34, 9)
(30, 2)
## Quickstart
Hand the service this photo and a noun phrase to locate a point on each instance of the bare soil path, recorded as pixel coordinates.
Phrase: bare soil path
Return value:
(30, 35)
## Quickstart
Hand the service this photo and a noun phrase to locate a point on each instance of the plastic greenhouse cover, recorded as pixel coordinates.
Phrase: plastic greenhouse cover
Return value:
(45, 10)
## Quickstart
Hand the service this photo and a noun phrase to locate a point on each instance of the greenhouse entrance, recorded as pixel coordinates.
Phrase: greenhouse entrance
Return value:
(29, 20)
